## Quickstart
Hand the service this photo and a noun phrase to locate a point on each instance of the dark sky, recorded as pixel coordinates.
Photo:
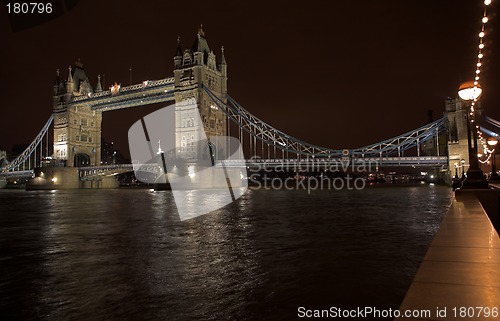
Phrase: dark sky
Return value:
(341, 74)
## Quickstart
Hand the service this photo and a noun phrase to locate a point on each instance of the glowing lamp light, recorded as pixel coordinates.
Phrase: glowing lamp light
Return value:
(54, 179)
(481, 34)
(492, 141)
(115, 89)
(487, 2)
(480, 56)
(485, 19)
(481, 45)
(469, 91)
(191, 172)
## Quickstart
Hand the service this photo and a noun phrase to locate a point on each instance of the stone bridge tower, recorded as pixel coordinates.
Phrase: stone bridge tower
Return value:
(77, 130)
(194, 69)
(458, 148)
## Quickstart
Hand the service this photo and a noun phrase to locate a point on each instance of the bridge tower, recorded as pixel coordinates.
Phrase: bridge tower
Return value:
(77, 130)
(194, 69)
(456, 112)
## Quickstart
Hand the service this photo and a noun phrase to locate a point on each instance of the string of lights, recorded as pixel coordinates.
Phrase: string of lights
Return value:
(479, 63)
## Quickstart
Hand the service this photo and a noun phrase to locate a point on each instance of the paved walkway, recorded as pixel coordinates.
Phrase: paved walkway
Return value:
(461, 267)
(495, 185)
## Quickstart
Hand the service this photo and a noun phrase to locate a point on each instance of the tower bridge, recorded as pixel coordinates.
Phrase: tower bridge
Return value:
(201, 75)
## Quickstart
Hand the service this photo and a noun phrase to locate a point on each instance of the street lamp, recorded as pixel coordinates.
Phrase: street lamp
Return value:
(463, 170)
(457, 182)
(492, 141)
(470, 91)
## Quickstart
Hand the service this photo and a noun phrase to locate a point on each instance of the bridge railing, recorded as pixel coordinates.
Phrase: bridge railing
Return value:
(103, 170)
(18, 174)
(412, 160)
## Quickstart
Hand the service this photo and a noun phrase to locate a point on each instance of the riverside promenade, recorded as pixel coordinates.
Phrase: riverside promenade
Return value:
(460, 273)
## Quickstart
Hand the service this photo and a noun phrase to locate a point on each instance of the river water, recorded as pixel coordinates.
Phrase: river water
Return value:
(124, 254)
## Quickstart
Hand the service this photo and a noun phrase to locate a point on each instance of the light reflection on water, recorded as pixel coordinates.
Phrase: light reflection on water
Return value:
(109, 254)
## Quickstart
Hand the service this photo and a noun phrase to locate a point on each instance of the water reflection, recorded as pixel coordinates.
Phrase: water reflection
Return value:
(109, 254)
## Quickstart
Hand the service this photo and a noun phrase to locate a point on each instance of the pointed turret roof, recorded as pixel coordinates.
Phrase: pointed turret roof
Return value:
(78, 77)
(178, 52)
(200, 43)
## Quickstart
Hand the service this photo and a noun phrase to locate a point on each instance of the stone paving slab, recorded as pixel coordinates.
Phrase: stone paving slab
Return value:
(461, 267)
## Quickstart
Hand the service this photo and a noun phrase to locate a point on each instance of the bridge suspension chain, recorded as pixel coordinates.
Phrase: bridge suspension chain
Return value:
(277, 139)
(30, 150)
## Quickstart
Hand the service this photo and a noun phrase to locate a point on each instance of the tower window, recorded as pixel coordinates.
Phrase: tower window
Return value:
(77, 138)
(83, 122)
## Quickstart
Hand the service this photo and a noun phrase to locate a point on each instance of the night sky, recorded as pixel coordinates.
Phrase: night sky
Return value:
(340, 74)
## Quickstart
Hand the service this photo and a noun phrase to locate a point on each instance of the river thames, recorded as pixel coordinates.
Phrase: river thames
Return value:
(124, 254)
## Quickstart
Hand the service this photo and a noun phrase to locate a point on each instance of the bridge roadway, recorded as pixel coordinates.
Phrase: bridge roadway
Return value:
(370, 163)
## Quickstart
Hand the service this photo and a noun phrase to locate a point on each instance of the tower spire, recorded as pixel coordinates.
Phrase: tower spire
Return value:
(69, 83)
(178, 52)
(57, 82)
(98, 87)
(70, 77)
(223, 58)
(58, 79)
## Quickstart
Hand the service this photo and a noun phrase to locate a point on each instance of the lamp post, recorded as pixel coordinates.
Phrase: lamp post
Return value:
(470, 91)
(463, 169)
(492, 141)
(456, 180)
